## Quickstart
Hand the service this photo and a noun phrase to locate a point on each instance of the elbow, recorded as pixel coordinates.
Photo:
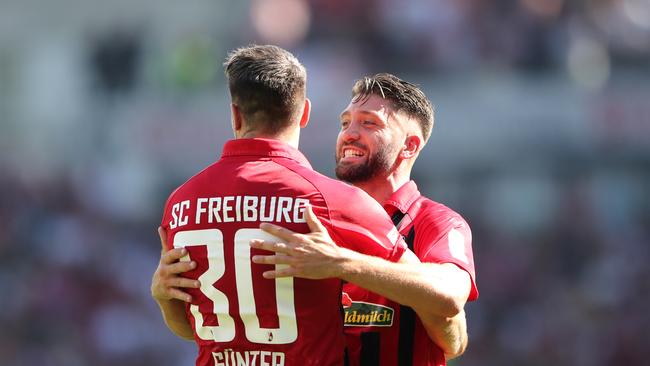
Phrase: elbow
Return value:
(449, 334)
(456, 350)
(185, 334)
(458, 344)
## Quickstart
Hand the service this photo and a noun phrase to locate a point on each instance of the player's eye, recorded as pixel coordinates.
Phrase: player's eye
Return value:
(344, 124)
(369, 123)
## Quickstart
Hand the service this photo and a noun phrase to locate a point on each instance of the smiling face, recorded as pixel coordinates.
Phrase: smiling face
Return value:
(370, 140)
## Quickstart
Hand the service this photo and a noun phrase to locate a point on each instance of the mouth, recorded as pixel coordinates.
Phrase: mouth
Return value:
(350, 154)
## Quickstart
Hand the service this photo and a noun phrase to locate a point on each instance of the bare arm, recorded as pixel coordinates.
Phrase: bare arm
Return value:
(437, 292)
(166, 288)
(429, 288)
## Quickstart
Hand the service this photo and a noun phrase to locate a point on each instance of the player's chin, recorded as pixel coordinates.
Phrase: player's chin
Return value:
(347, 171)
(345, 165)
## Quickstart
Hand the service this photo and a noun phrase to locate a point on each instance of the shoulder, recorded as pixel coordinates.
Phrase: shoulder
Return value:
(335, 192)
(353, 218)
(436, 218)
(435, 213)
(190, 184)
(351, 203)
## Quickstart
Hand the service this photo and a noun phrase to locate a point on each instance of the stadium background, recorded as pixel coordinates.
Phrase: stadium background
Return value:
(541, 142)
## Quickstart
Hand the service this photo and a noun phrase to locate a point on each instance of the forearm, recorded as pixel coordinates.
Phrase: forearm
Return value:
(173, 312)
(429, 288)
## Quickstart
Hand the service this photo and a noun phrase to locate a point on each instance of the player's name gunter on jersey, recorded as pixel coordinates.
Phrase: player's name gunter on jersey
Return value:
(229, 357)
(238, 209)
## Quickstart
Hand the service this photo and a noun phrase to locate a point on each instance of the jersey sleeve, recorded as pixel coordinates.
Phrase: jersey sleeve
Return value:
(454, 245)
(359, 223)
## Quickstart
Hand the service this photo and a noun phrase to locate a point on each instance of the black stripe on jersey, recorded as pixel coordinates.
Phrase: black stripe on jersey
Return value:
(371, 342)
(370, 348)
(406, 321)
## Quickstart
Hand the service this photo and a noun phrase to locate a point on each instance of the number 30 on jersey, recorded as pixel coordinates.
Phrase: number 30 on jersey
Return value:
(287, 332)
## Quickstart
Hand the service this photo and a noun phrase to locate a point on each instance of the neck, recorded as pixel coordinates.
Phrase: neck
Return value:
(382, 187)
(290, 137)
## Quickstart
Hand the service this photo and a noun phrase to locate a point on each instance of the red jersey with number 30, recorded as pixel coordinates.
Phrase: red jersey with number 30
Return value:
(238, 316)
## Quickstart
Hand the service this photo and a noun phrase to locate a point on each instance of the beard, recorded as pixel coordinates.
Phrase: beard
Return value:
(378, 164)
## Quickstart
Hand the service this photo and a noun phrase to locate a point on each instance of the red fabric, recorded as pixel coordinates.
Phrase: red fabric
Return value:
(433, 223)
(230, 193)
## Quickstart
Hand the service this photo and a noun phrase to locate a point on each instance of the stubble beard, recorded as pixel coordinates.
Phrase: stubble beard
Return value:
(377, 164)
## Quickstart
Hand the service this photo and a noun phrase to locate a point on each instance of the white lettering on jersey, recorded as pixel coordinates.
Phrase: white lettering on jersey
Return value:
(284, 206)
(229, 357)
(271, 209)
(299, 210)
(179, 217)
(214, 205)
(250, 208)
(200, 209)
(241, 209)
(227, 207)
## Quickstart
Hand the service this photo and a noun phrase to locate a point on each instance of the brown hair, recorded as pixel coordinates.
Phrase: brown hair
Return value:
(403, 95)
(268, 84)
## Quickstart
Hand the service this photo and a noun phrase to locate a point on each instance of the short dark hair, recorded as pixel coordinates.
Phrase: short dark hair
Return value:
(403, 95)
(268, 85)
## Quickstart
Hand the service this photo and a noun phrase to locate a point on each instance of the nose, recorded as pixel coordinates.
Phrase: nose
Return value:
(351, 133)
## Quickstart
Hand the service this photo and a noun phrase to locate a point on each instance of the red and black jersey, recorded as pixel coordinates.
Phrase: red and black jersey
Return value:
(238, 316)
(436, 234)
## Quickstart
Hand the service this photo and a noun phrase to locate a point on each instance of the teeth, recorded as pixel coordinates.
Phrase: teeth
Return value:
(351, 152)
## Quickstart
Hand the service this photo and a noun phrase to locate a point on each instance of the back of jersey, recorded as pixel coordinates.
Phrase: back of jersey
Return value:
(239, 317)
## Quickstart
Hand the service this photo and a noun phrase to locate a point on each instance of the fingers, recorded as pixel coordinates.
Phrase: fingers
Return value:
(271, 246)
(173, 255)
(283, 265)
(168, 284)
(273, 259)
(162, 234)
(182, 282)
(278, 231)
(175, 293)
(282, 272)
(180, 267)
(312, 220)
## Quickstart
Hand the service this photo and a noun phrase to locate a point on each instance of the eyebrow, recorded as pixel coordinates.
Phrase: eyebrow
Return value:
(362, 112)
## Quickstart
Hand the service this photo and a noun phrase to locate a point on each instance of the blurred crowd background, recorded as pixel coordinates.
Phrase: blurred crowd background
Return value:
(542, 142)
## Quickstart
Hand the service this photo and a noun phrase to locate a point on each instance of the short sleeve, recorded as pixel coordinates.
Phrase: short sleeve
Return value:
(453, 246)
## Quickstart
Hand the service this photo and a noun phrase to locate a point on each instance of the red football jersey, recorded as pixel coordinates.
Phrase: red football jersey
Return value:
(438, 235)
(238, 316)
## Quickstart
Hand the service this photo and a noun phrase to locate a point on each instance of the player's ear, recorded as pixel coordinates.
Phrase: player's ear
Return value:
(306, 111)
(412, 145)
(235, 118)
